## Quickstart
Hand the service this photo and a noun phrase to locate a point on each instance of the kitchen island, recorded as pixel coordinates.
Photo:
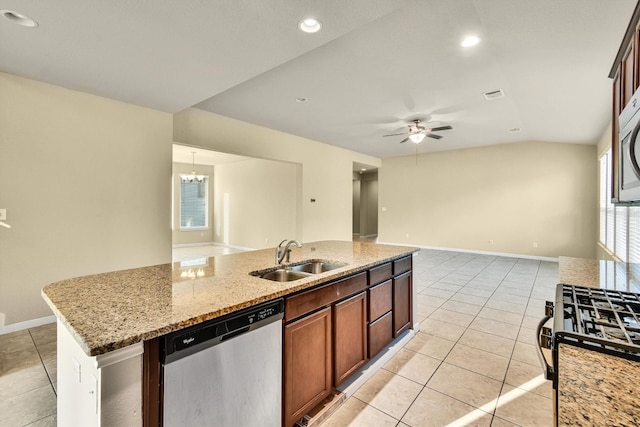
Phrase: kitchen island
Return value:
(105, 319)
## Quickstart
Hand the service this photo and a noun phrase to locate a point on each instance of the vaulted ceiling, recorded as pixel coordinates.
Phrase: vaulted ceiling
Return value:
(374, 65)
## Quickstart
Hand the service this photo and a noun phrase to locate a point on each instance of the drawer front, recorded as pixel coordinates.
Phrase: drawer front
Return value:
(380, 334)
(402, 265)
(380, 273)
(309, 301)
(380, 299)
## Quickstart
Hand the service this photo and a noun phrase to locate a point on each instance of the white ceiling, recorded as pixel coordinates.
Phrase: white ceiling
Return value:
(374, 65)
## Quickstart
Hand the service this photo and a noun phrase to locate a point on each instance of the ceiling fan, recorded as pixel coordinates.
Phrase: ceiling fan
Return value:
(418, 131)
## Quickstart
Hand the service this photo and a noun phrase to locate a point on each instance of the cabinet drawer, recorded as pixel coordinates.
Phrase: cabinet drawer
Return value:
(401, 265)
(306, 302)
(380, 273)
(380, 334)
(380, 299)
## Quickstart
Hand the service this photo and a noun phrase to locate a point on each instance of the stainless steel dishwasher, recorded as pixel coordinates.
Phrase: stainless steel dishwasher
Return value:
(226, 371)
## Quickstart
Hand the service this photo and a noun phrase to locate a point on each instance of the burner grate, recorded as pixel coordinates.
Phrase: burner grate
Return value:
(609, 315)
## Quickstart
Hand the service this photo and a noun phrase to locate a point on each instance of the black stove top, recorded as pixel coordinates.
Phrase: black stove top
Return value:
(607, 318)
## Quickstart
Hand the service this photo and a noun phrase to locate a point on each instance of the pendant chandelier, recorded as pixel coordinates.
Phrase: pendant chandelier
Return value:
(192, 177)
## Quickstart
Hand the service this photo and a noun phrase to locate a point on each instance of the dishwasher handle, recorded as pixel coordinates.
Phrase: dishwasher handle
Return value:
(235, 333)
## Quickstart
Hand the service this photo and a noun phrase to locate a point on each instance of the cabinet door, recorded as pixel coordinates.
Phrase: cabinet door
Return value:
(380, 334)
(628, 75)
(350, 336)
(401, 303)
(307, 364)
(380, 300)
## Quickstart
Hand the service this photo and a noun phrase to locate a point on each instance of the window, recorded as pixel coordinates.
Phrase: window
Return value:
(619, 224)
(194, 203)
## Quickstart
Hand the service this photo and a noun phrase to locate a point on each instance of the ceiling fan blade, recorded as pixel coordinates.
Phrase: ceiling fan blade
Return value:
(396, 134)
(434, 136)
(440, 128)
(404, 140)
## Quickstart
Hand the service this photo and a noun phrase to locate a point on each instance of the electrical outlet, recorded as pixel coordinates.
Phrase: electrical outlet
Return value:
(3, 214)
(491, 241)
(407, 235)
(535, 244)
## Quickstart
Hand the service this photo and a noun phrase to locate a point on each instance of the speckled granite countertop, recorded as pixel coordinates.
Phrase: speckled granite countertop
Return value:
(108, 311)
(621, 276)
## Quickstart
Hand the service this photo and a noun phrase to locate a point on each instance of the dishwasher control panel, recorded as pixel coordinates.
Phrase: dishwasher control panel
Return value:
(216, 330)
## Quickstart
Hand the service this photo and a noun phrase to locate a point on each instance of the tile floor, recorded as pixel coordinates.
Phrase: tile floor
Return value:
(473, 363)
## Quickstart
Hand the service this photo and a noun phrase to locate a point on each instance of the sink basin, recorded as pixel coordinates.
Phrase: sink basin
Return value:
(316, 267)
(298, 271)
(282, 275)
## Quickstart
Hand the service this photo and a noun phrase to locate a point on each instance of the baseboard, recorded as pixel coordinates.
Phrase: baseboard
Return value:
(509, 255)
(26, 324)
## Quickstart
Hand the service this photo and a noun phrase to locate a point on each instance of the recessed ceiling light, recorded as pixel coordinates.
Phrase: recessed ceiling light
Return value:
(301, 99)
(514, 130)
(470, 41)
(494, 94)
(310, 25)
(18, 18)
(362, 170)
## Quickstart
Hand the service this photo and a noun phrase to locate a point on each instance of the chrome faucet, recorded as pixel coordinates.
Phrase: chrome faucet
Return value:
(282, 253)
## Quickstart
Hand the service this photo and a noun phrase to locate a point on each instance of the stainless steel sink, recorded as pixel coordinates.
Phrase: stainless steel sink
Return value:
(316, 267)
(284, 275)
(298, 271)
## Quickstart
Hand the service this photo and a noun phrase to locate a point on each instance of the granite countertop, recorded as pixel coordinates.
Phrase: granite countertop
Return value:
(108, 311)
(615, 275)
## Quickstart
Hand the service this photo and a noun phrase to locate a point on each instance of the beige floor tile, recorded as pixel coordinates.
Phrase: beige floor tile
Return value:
(488, 342)
(356, 413)
(442, 329)
(44, 334)
(507, 306)
(468, 387)
(434, 409)
(425, 310)
(525, 353)
(47, 350)
(388, 392)
(440, 293)
(501, 316)
(527, 336)
(50, 421)
(16, 341)
(414, 366)
(524, 408)
(475, 291)
(430, 345)
(462, 307)
(499, 422)
(27, 407)
(452, 317)
(478, 361)
(502, 329)
(531, 322)
(529, 377)
(430, 300)
(22, 381)
(469, 299)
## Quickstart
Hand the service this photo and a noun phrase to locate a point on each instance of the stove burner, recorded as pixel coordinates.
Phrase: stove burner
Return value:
(618, 334)
(608, 306)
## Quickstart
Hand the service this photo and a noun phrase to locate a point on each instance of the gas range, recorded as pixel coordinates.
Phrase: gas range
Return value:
(599, 317)
(595, 355)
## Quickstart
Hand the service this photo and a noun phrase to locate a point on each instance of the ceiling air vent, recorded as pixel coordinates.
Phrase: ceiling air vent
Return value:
(494, 94)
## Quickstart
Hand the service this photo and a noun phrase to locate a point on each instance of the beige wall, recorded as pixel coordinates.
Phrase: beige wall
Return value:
(513, 194)
(325, 175)
(255, 203)
(184, 237)
(82, 180)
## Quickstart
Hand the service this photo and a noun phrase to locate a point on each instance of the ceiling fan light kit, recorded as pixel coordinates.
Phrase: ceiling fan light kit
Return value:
(418, 131)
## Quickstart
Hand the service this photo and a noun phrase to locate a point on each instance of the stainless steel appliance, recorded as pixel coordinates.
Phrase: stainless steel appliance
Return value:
(225, 372)
(595, 356)
(629, 152)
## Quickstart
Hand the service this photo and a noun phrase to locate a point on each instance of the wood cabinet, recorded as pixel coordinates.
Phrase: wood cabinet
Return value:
(307, 363)
(332, 330)
(323, 325)
(349, 336)
(401, 303)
